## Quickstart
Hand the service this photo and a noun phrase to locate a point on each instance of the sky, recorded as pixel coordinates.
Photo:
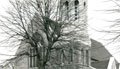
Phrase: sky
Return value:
(3, 50)
(96, 21)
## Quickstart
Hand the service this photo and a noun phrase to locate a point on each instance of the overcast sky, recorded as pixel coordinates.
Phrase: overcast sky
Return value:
(96, 20)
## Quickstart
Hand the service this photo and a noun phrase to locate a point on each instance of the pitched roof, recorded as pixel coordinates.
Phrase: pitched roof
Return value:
(98, 51)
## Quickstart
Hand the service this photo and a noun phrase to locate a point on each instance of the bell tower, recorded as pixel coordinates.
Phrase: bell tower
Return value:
(76, 11)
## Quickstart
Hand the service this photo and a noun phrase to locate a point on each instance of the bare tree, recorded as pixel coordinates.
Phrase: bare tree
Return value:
(113, 29)
(48, 26)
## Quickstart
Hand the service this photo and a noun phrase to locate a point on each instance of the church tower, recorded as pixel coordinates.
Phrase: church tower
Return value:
(76, 10)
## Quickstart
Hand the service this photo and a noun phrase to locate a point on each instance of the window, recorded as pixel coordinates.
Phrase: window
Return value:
(70, 55)
(87, 58)
(84, 4)
(83, 57)
(67, 3)
(38, 5)
(67, 9)
(33, 57)
(76, 3)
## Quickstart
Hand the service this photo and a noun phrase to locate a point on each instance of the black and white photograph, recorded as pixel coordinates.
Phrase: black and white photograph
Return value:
(59, 34)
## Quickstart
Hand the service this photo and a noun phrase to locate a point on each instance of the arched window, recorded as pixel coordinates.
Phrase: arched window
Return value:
(84, 4)
(76, 3)
(67, 9)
